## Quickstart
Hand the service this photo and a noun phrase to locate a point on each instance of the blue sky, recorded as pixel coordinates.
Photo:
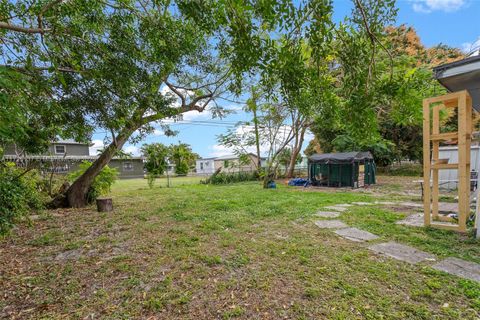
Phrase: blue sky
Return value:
(452, 22)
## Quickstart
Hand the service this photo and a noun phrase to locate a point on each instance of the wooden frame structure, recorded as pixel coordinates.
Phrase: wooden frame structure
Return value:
(432, 164)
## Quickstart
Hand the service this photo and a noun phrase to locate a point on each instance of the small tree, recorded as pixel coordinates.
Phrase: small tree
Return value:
(183, 157)
(156, 163)
(274, 135)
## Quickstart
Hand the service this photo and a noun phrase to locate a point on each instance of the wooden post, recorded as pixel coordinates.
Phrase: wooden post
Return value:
(426, 162)
(104, 204)
(435, 158)
(463, 175)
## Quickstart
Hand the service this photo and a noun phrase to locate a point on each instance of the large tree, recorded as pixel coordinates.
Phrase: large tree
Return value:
(122, 65)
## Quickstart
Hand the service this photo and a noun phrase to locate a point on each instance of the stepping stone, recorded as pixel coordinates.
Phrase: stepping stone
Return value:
(447, 207)
(411, 204)
(73, 254)
(328, 214)
(413, 220)
(345, 205)
(402, 252)
(335, 208)
(363, 203)
(461, 268)
(330, 224)
(385, 202)
(356, 235)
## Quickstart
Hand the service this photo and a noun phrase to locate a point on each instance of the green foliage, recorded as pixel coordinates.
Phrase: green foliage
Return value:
(233, 177)
(18, 195)
(102, 183)
(182, 157)
(156, 155)
(30, 131)
(382, 150)
(413, 170)
(382, 81)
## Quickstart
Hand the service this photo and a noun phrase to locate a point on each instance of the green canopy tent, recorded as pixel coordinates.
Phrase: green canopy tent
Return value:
(345, 169)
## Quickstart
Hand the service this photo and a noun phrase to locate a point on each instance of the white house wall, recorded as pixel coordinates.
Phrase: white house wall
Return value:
(208, 167)
(451, 153)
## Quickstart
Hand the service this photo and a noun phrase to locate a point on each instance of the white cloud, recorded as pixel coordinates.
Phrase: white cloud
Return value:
(195, 115)
(133, 150)
(218, 150)
(427, 6)
(97, 145)
(158, 132)
(472, 47)
(309, 136)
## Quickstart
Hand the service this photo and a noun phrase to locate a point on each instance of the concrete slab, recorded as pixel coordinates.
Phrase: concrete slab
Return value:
(335, 208)
(447, 207)
(402, 252)
(355, 234)
(328, 214)
(363, 203)
(387, 203)
(345, 205)
(461, 268)
(413, 220)
(411, 204)
(330, 224)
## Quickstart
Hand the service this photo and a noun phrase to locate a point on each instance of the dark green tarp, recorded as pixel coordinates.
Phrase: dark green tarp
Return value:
(341, 169)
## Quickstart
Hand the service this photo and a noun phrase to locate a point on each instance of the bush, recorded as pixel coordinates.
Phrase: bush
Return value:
(226, 178)
(102, 183)
(411, 170)
(18, 195)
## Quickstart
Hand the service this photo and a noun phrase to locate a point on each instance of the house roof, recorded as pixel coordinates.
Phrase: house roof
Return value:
(64, 158)
(71, 141)
(461, 75)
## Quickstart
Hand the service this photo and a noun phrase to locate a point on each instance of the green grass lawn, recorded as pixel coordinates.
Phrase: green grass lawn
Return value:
(219, 252)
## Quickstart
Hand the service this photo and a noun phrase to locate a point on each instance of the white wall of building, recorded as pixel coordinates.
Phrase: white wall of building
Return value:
(451, 153)
(205, 166)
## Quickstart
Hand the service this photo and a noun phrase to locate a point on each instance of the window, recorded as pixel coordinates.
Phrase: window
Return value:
(59, 149)
(127, 166)
(201, 165)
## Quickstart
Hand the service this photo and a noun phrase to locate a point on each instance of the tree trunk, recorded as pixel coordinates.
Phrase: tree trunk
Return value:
(76, 194)
(253, 108)
(104, 204)
(295, 151)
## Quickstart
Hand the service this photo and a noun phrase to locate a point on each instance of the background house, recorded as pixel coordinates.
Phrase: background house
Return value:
(64, 156)
(449, 177)
(228, 163)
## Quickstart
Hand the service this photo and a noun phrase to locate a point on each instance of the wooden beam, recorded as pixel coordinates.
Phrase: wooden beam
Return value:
(426, 162)
(445, 166)
(446, 98)
(435, 155)
(446, 226)
(463, 179)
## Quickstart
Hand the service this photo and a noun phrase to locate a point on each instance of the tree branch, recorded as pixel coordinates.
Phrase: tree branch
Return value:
(7, 26)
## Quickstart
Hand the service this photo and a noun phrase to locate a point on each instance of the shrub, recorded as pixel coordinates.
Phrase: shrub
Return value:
(18, 194)
(233, 177)
(102, 183)
(412, 170)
